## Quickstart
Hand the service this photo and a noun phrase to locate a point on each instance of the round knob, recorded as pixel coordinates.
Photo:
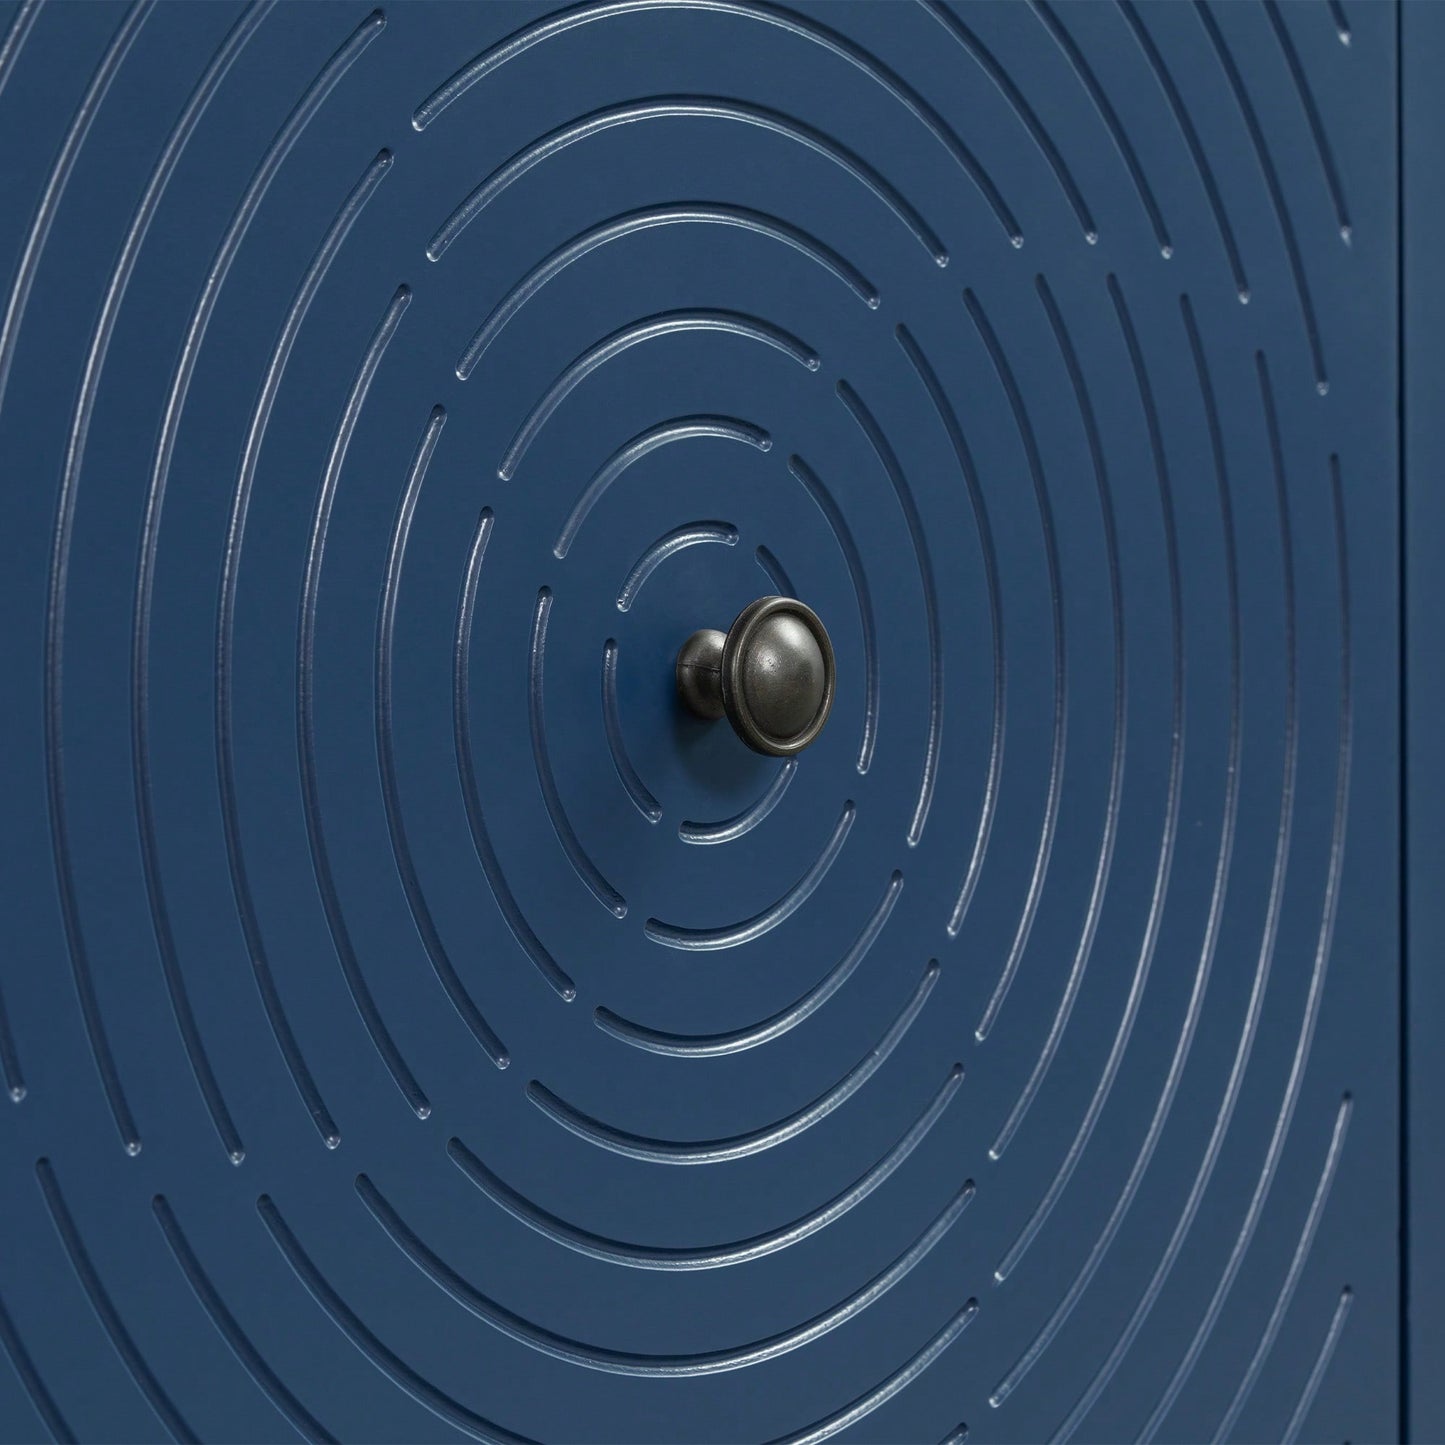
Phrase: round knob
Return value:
(772, 674)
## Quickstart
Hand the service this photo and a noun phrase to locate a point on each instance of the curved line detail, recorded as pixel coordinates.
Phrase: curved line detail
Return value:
(577, 856)
(1276, 194)
(19, 1356)
(724, 534)
(1337, 1322)
(627, 1362)
(512, 915)
(838, 524)
(551, 25)
(642, 1256)
(1204, 967)
(388, 1362)
(775, 572)
(265, 1378)
(1170, 830)
(326, 253)
(285, 138)
(888, 459)
(421, 914)
(1312, 114)
(171, 1419)
(658, 1041)
(26, 14)
(305, 710)
(739, 1146)
(730, 829)
(627, 775)
(673, 935)
(1066, 42)
(685, 428)
(64, 525)
(60, 173)
(1056, 601)
(1018, 103)
(988, 809)
(666, 323)
(1292, 1276)
(1224, 1114)
(1324, 942)
(1192, 144)
(646, 219)
(702, 107)
(900, 1380)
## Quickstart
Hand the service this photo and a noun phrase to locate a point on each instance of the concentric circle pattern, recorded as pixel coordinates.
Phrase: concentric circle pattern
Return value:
(418, 1026)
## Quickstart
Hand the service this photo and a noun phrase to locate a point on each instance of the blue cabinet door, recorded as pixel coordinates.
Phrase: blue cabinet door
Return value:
(418, 1025)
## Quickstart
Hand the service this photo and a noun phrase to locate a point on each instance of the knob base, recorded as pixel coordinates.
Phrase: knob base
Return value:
(699, 673)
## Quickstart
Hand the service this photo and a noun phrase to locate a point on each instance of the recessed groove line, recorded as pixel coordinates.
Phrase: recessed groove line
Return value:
(60, 172)
(665, 323)
(1169, 831)
(675, 107)
(714, 1151)
(331, 906)
(1329, 907)
(170, 1418)
(1342, 21)
(250, 1358)
(838, 525)
(1020, 106)
(893, 470)
(627, 1362)
(1170, 826)
(631, 223)
(731, 829)
(1292, 1276)
(682, 428)
(865, 1404)
(24, 1366)
(988, 808)
(178, 137)
(226, 252)
(512, 915)
(452, 985)
(25, 16)
(1312, 115)
(775, 572)
(65, 505)
(1192, 143)
(1319, 1368)
(387, 1361)
(691, 534)
(643, 1256)
(658, 1041)
(577, 855)
(631, 780)
(1056, 603)
(1224, 1113)
(1081, 67)
(673, 935)
(831, 40)
(1276, 193)
(1188, 1027)
(316, 272)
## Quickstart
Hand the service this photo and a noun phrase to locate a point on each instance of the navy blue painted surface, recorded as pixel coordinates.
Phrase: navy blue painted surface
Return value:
(336, 777)
(1422, 143)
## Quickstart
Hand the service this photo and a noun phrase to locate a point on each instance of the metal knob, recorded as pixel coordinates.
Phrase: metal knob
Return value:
(771, 674)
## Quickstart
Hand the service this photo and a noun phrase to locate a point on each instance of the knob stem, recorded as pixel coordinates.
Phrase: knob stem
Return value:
(699, 673)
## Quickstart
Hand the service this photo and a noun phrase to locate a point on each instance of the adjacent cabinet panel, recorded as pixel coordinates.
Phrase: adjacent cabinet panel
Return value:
(416, 1024)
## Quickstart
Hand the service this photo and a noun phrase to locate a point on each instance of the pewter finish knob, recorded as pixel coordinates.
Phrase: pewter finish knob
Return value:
(772, 674)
